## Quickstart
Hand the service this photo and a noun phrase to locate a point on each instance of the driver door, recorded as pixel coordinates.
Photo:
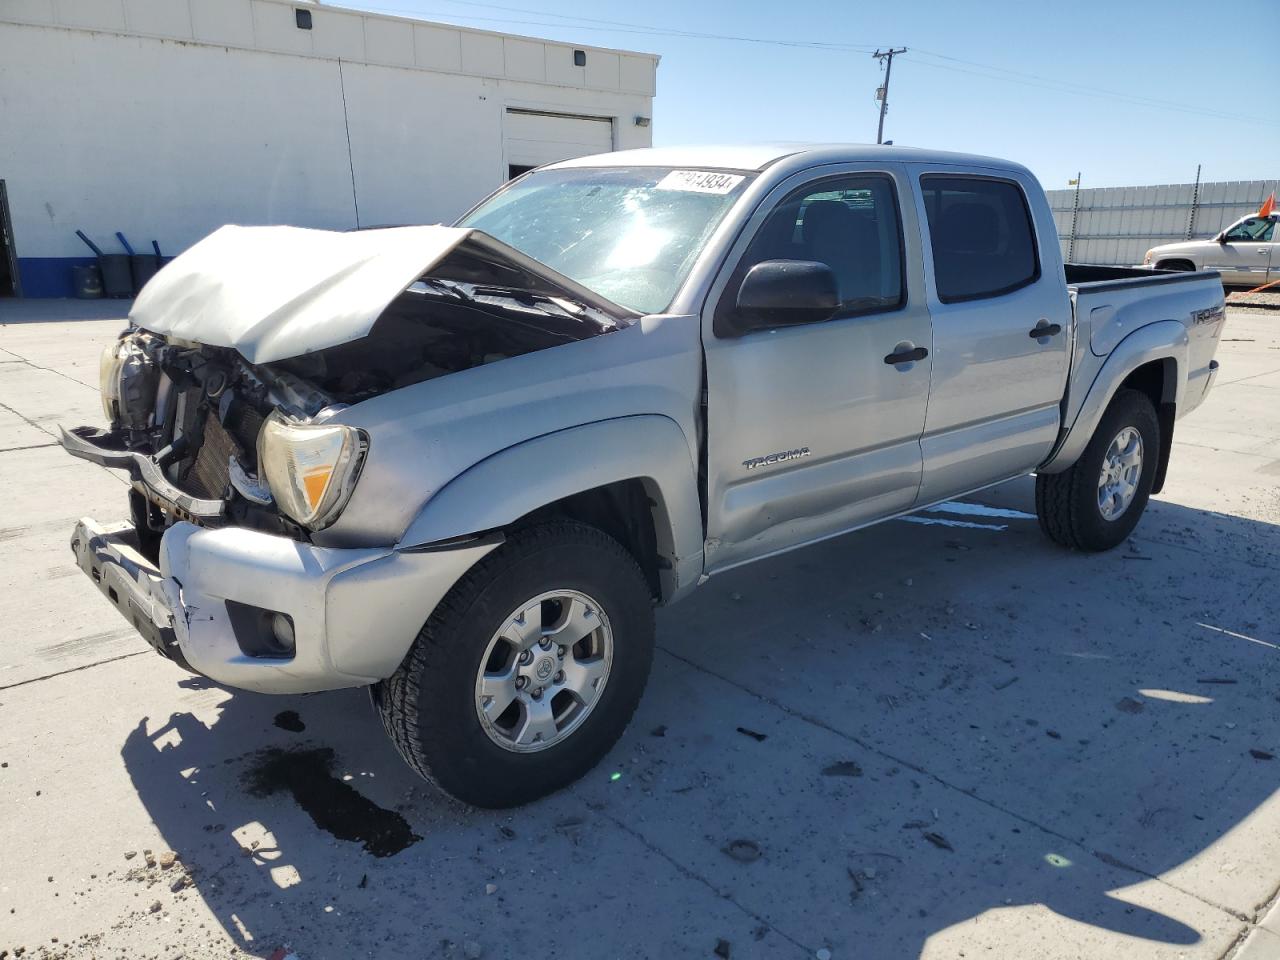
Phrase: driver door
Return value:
(812, 429)
(1245, 253)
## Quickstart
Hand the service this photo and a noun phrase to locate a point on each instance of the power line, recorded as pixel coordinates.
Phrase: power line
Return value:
(985, 71)
(1069, 87)
(616, 26)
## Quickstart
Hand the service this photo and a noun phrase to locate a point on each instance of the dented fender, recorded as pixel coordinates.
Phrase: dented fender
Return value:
(649, 447)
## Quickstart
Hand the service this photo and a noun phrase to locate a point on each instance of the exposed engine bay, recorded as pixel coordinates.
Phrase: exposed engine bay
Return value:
(188, 419)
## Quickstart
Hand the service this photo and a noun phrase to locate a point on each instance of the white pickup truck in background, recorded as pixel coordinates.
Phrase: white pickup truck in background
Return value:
(1247, 253)
(462, 464)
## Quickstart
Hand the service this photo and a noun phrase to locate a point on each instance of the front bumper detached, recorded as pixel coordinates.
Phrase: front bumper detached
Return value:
(98, 447)
(209, 606)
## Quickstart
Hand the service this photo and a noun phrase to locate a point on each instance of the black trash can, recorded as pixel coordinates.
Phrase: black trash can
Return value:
(86, 281)
(144, 267)
(117, 275)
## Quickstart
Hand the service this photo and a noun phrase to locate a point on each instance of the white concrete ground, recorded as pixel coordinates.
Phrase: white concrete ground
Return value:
(968, 743)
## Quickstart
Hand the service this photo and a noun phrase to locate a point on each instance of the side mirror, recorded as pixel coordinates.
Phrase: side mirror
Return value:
(1222, 237)
(780, 293)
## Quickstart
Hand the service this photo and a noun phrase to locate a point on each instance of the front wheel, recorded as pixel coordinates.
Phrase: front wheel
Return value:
(529, 670)
(1095, 504)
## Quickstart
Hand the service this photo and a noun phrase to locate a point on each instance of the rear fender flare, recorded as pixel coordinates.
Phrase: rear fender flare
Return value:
(514, 482)
(1163, 340)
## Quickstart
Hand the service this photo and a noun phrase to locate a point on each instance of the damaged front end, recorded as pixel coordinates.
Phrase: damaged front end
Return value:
(222, 400)
(219, 396)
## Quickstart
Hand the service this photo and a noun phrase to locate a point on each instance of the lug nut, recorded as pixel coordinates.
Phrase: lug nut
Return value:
(525, 656)
(537, 693)
(521, 683)
(561, 651)
(544, 643)
(559, 678)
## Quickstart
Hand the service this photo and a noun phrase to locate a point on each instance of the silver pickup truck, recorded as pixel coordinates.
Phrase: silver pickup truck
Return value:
(461, 465)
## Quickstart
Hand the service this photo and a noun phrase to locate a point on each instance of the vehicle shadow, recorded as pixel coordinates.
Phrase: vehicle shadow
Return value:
(863, 746)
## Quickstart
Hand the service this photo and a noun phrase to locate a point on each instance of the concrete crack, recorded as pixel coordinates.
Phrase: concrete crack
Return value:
(87, 666)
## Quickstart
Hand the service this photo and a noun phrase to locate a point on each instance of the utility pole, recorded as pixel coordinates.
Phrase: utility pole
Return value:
(886, 58)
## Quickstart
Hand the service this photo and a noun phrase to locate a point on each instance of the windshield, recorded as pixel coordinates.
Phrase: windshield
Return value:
(629, 233)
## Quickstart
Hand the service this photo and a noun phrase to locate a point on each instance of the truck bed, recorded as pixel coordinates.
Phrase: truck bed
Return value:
(1112, 303)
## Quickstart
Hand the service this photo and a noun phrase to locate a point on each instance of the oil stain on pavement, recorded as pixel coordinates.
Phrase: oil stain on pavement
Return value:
(334, 806)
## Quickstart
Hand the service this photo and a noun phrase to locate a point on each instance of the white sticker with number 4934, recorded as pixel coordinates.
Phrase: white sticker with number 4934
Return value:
(699, 181)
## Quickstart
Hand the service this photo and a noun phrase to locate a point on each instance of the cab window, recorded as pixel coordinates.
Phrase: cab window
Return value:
(1253, 230)
(852, 225)
(981, 234)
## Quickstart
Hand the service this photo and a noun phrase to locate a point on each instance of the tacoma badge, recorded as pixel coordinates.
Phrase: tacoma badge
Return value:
(773, 458)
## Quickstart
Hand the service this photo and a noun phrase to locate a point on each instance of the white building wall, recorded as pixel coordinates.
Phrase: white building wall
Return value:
(165, 120)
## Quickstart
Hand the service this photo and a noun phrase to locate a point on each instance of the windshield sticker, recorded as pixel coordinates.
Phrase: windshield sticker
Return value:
(699, 181)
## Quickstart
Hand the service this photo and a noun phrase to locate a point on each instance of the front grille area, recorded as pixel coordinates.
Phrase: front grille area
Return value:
(208, 475)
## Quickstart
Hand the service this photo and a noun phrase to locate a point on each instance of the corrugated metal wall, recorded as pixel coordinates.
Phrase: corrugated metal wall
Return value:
(1117, 225)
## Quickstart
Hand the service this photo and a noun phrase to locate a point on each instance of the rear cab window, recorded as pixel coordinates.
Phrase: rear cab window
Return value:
(981, 234)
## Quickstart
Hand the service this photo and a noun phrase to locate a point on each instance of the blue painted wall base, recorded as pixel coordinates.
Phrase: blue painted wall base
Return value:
(49, 276)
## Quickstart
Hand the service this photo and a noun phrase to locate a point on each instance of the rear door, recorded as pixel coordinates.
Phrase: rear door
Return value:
(1000, 330)
(1245, 252)
(810, 431)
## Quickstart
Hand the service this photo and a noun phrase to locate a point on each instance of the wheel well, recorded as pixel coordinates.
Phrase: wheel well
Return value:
(624, 510)
(1159, 381)
(1175, 264)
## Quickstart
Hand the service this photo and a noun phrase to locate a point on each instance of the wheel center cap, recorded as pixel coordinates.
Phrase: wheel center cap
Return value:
(545, 668)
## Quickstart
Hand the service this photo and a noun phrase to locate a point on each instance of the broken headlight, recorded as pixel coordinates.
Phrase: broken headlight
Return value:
(128, 378)
(311, 469)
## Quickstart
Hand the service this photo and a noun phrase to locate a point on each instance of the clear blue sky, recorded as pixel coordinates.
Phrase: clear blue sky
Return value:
(1127, 93)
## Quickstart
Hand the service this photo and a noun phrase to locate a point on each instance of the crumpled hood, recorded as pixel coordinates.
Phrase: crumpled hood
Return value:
(278, 292)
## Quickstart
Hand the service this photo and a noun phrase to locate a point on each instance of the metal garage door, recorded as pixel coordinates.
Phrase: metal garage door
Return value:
(533, 138)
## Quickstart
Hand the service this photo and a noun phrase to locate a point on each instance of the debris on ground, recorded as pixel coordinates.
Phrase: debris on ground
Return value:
(659, 731)
(1054, 734)
(722, 949)
(1261, 755)
(938, 840)
(744, 851)
(289, 720)
(844, 768)
(758, 737)
(167, 859)
(1130, 705)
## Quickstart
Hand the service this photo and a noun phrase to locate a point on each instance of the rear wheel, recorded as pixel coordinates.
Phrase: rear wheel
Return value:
(528, 671)
(1096, 503)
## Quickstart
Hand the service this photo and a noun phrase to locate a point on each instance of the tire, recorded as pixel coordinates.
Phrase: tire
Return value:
(1068, 503)
(431, 706)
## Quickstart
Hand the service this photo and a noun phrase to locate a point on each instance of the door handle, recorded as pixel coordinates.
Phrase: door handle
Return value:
(1045, 330)
(907, 356)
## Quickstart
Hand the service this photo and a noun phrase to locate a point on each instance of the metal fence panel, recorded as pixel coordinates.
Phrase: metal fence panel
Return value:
(1117, 225)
